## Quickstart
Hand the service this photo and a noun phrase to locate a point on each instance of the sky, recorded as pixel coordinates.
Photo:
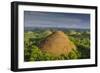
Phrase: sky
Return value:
(54, 19)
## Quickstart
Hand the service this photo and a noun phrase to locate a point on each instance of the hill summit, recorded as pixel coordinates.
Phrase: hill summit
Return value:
(57, 44)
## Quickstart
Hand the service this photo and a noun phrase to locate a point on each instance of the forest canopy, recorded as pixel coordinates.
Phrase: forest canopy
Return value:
(32, 51)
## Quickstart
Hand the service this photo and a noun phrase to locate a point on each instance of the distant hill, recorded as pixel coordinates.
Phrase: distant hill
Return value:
(54, 29)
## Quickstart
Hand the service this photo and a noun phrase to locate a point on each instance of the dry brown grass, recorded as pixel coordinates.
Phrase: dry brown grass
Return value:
(56, 44)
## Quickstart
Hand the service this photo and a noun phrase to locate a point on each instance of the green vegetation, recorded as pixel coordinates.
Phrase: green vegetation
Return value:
(33, 53)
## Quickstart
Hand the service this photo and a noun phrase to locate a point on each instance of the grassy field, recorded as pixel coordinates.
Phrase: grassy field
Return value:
(33, 53)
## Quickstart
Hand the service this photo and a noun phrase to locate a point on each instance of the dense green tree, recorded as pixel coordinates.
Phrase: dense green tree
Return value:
(33, 53)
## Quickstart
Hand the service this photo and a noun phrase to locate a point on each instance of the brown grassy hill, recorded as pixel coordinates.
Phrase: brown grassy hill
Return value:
(56, 44)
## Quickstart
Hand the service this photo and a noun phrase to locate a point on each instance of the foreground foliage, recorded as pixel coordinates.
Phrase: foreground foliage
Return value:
(33, 53)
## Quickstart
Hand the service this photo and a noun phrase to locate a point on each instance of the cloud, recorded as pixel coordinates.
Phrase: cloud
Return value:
(65, 20)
